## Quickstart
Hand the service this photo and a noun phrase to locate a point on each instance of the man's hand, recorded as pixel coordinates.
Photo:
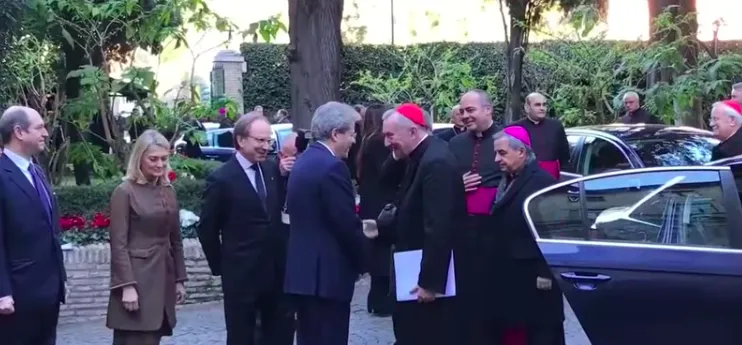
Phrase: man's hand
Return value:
(543, 283)
(7, 305)
(423, 296)
(370, 230)
(471, 181)
(286, 164)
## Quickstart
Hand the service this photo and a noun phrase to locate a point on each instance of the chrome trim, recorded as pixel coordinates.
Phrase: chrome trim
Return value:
(641, 245)
(532, 226)
(724, 160)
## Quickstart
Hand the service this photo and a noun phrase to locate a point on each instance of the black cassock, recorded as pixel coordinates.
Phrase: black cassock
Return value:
(474, 152)
(430, 206)
(730, 147)
(549, 143)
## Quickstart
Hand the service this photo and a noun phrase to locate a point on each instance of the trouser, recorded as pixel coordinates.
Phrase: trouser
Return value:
(276, 319)
(30, 327)
(321, 321)
(379, 299)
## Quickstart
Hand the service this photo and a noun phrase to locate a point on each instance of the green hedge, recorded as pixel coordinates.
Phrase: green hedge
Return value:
(267, 81)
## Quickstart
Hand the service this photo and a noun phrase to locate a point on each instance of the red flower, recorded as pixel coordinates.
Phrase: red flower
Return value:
(172, 176)
(100, 221)
(71, 222)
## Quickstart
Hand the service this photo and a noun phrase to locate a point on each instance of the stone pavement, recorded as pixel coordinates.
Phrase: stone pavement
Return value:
(204, 325)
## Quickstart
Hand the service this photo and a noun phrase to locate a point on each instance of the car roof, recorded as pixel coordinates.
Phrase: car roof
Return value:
(633, 132)
(282, 126)
(442, 125)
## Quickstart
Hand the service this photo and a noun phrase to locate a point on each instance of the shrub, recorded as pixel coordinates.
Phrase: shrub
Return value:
(198, 168)
(85, 208)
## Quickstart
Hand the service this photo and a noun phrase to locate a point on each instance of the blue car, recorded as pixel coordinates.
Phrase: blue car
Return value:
(647, 256)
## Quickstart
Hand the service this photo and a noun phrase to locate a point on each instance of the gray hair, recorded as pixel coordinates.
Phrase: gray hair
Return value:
(631, 94)
(737, 87)
(332, 116)
(515, 144)
(15, 116)
(243, 124)
(728, 111)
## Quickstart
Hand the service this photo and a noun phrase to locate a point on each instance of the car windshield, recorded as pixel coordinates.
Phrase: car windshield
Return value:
(674, 151)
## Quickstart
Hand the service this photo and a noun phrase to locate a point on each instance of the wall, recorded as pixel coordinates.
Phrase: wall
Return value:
(88, 273)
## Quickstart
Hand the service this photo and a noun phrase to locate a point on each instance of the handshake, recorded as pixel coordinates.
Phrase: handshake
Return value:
(370, 230)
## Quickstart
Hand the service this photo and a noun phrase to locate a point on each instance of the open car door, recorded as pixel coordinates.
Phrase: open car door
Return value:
(646, 256)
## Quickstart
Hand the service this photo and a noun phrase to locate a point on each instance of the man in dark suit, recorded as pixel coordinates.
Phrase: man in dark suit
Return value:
(32, 274)
(327, 248)
(243, 238)
(430, 209)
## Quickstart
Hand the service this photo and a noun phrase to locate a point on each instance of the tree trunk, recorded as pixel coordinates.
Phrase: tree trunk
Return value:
(693, 117)
(516, 51)
(74, 59)
(315, 54)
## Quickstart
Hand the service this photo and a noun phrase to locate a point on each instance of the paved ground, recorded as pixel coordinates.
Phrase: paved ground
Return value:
(204, 325)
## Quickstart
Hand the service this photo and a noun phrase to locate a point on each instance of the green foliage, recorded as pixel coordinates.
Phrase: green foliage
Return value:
(86, 201)
(196, 168)
(583, 79)
(430, 76)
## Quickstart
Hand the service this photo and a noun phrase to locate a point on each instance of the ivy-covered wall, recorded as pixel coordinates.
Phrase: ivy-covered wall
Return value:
(267, 81)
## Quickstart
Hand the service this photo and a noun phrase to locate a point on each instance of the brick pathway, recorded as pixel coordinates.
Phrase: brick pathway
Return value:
(204, 325)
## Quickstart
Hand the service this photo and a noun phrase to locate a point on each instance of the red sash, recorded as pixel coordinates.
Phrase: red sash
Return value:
(551, 167)
(479, 201)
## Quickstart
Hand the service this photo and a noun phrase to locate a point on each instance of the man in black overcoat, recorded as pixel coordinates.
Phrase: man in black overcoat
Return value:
(520, 301)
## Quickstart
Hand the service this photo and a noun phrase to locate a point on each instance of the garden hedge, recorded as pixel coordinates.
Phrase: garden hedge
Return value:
(267, 81)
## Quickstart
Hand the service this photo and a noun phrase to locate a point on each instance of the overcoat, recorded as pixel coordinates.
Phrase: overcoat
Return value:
(147, 252)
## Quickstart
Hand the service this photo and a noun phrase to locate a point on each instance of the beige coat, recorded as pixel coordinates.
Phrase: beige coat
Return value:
(147, 252)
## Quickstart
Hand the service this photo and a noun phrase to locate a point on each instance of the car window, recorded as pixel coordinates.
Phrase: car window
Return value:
(225, 139)
(672, 207)
(601, 156)
(573, 140)
(677, 151)
(210, 139)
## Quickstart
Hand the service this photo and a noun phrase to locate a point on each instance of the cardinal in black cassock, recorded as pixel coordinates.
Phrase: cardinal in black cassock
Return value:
(548, 139)
(474, 152)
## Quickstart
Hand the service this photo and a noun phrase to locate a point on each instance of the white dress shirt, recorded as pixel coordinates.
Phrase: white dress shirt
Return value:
(249, 171)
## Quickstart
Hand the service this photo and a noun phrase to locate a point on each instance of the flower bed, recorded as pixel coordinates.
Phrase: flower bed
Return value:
(84, 210)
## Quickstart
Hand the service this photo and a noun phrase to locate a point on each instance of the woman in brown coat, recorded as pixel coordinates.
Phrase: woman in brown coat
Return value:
(147, 265)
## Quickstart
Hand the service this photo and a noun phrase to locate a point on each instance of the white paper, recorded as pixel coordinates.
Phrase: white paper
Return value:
(407, 270)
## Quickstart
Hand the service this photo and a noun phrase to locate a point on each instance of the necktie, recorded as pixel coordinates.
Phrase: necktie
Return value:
(259, 184)
(41, 189)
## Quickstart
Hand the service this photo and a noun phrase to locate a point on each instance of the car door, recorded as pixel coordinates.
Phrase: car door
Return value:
(646, 256)
(569, 172)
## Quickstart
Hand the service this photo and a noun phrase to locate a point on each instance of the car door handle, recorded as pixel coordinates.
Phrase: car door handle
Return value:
(573, 195)
(585, 281)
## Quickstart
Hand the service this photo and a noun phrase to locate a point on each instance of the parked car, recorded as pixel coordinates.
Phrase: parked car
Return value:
(604, 148)
(647, 255)
(219, 143)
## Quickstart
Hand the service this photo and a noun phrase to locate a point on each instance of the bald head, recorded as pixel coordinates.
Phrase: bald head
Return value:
(535, 106)
(476, 112)
(22, 130)
(737, 92)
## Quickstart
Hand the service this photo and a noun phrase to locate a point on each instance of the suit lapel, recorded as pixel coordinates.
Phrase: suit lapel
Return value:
(17, 176)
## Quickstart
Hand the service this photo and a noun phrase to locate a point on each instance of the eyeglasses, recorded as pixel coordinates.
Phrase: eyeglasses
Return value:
(263, 141)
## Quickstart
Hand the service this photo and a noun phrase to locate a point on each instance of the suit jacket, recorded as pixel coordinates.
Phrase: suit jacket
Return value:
(243, 241)
(327, 249)
(509, 251)
(31, 262)
(430, 207)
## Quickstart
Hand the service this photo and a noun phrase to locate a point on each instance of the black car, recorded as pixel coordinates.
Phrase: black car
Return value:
(606, 148)
(219, 142)
(647, 256)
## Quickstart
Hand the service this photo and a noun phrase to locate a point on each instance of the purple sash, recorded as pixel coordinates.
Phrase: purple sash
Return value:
(551, 167)
(479, 201)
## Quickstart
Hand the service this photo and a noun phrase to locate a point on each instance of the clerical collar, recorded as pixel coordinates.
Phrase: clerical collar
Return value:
(486, 133)
(419, 149)
(535, 122)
